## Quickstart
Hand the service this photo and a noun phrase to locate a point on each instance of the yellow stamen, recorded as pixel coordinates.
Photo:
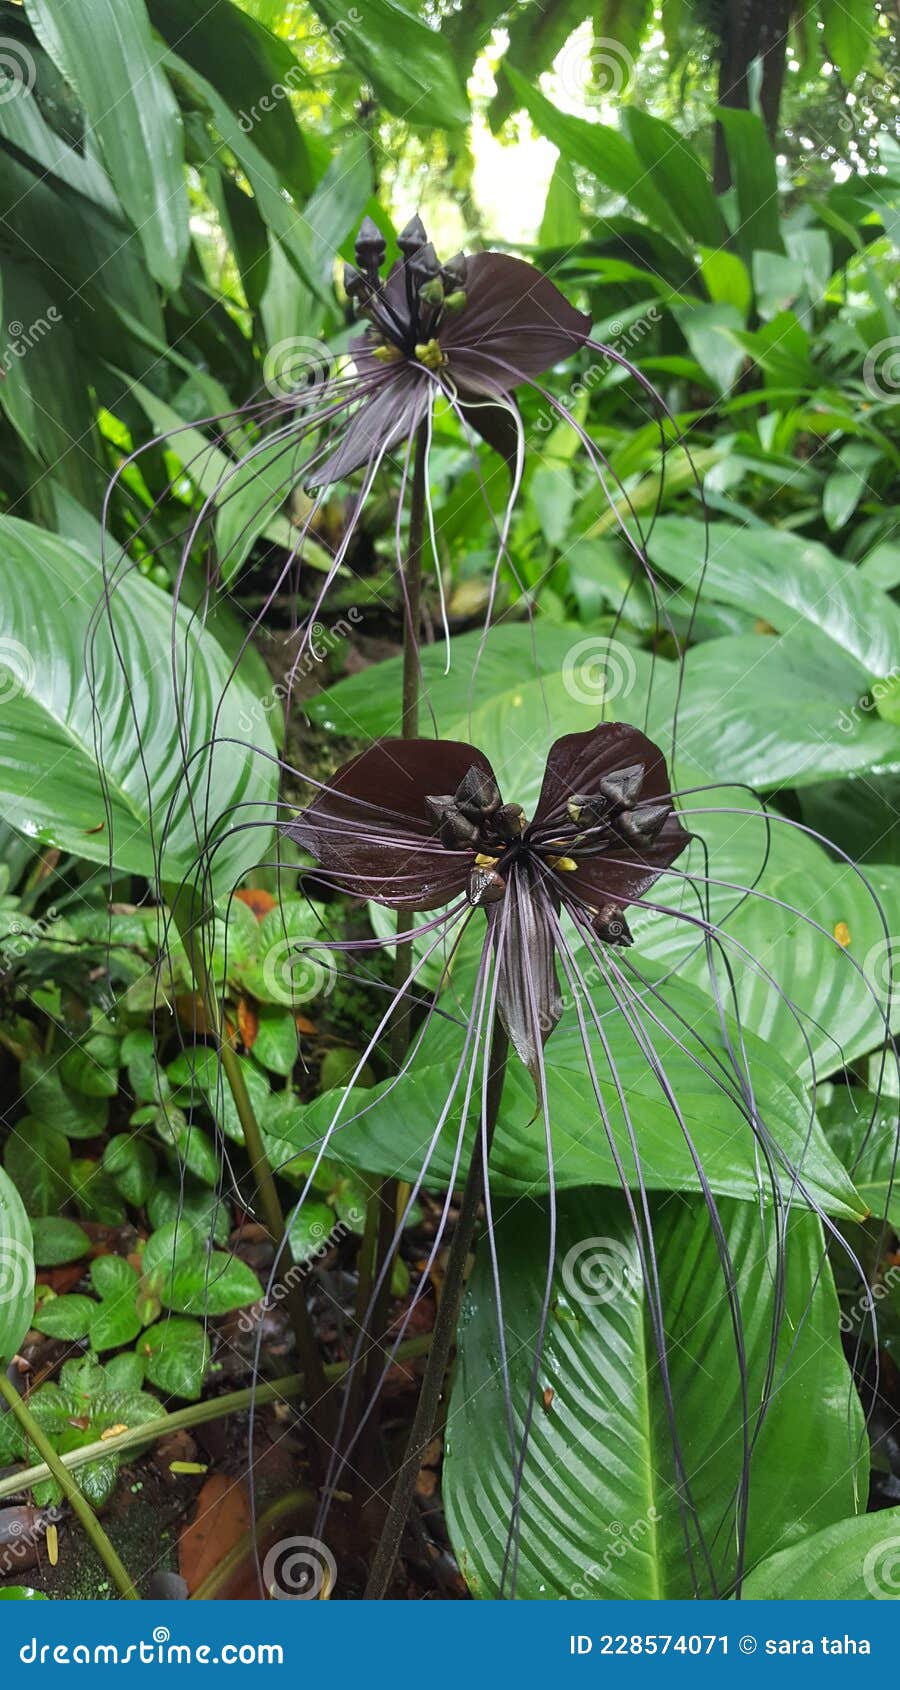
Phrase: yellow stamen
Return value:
(565, 863)
(429, 353)
(481, 861)
(842, 933)
(387, 354)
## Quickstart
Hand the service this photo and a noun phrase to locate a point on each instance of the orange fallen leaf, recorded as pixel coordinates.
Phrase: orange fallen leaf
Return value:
(221, 1519)
(257, 900)
(248, 1022)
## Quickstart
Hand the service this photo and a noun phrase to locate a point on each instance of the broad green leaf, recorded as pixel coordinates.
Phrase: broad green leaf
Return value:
(39, 1163)
(276, 1044)
(50, 780)
(726, 279)
(851, 1561)
(513, 655)
(409, 65)
(16, 1270)
(387, 1130)
(780, 576)
(106, 50)
(708, 332)
(849, 34)
(191, 1205)
(114, 1322)
(57, 1240)
(211, 1285)
(175, 1353)
(66, 1317)
(310, 1230)
(50, 1099)
(132, 1165)
(674, 168)
(773, 712)
(601, 1505)
(599, 148)
(801, 932)
(561, 222)
(862, 1130)
(753, 172)
(252, 68)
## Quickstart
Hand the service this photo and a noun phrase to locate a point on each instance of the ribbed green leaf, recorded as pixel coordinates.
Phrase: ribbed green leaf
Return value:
(408, 64)
(779, 576)
(600, 1510)
(602, 150)
(106, 50)
(852, 1561)
(396, 1124)
(16, 1269)
(55, 737)
(753, 171)
(673, 167)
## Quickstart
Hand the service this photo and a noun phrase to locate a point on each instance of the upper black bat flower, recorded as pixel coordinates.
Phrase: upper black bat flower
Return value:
(472, 328)
(417, 823)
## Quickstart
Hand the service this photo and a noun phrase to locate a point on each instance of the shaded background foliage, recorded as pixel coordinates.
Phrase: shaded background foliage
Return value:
(720, 186)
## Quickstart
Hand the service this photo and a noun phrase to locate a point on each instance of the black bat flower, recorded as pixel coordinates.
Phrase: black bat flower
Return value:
(417, 823)
(473, 328)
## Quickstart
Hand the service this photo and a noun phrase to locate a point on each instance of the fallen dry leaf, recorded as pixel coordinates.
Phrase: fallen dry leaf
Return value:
(221, 1519)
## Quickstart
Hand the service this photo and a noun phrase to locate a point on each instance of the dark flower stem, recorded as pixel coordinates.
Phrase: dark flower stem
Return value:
(444, 1330)
(384, 1206)
(189, 922)
(70, 1488)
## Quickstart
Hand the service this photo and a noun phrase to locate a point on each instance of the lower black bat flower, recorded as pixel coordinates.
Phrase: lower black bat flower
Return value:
(415, 823)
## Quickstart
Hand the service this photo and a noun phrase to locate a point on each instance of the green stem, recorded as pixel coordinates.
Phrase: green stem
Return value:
(71, 1491)
(190, 923)
(443, 1334)
(197, 1414)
